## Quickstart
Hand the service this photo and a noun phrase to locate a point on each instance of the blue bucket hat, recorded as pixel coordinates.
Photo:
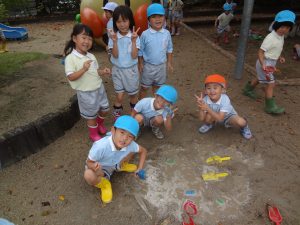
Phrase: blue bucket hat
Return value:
(227, 7)
(285, 16)
(168, 92)
(129, 124)
(155, 9)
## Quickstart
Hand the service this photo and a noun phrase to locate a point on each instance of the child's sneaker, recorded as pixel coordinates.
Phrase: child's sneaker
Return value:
(204, 128)
(245, 131)
(157, 133)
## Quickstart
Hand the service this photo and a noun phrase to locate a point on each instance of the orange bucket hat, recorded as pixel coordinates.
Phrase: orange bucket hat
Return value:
(215, 78)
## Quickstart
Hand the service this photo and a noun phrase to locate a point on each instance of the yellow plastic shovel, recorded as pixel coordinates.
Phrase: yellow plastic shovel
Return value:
(217, 159)
(213, 176)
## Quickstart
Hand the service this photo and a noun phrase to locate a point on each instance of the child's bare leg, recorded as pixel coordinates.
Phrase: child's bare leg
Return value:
(119, 99)
(91, 122)
(269, 90)
(93, 178)
(143, 92)
(133, 100)
(155, 124)
(208, 119)
(118, 108)
(140, 119)
(237, 121)
(254, 82)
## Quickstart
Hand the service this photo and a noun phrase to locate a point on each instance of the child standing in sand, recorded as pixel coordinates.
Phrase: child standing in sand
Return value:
(83, 73)
(124, 43)
(155, 54)
(222, 23)
(268, 55)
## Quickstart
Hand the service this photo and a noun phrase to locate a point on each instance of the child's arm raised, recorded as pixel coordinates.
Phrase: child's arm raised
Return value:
(76, 75)
(134, 37)
(114, 38)
(105, 71)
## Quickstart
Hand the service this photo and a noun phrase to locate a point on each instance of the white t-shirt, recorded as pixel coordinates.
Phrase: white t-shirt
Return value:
(224, 20)
(272, 45)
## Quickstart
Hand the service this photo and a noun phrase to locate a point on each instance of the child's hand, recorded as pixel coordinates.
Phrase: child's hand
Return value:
(281, 59)
(87, 65)
(134, 34)
(106, 71)
(112, 35)
(199, 98)
(170, 67)
(169, 112)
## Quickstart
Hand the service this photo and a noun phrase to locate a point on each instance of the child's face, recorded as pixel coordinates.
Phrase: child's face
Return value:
(214, 91)
(227, 12)
(160, 102)
(156, 22)
(283, 30)
(123, 25)
(108, 14)
(121, 138)
(83, 43)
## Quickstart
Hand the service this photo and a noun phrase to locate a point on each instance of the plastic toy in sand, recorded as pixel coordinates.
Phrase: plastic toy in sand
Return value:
(217, 159)
(213, 176)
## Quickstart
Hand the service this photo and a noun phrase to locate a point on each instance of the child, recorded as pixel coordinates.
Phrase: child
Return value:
(2, 42)
(112, 153)
(296, 51)
(124, 45)
(155, 52)
(82, 71)
(108, 10)
(158, 111)
(177, 15)
(222, 23)
(215, 107)
(268, 54)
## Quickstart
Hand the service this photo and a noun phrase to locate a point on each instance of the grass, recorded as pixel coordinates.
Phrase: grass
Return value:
(12, 62)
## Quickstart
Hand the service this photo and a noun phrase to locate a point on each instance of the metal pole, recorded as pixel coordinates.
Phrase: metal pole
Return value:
(244, 33)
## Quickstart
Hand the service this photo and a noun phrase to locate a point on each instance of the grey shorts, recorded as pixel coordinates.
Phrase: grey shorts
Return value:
(126, 79)
(226, 121)
(107, 170)
(91, 102)
(154, 75)
(261, 74)
(220, 30)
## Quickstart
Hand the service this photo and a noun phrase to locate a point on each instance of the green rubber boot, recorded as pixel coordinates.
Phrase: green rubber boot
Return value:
(272, 108)
(248, 90)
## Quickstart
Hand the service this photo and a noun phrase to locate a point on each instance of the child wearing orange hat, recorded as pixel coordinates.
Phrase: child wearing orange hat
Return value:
(215, 107)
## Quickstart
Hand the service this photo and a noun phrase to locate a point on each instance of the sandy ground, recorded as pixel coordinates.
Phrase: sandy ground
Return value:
(262, 170)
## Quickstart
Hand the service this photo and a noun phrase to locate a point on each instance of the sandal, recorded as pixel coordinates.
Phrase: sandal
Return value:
(204, 128)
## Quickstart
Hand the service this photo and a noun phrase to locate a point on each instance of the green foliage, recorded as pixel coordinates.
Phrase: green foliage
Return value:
(12, 5)
(12, 62)
(3, 12)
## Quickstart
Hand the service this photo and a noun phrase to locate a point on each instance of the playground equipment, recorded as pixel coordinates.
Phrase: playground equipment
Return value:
(14, 33)
(92, 15)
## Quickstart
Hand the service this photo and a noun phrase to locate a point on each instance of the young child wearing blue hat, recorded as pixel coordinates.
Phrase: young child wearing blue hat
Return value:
(112, 153)
(222, 23)
(268, 55)
(158, 111)
(155, 54)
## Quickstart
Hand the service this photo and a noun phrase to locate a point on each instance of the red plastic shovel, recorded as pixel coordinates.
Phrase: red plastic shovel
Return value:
(274, 214)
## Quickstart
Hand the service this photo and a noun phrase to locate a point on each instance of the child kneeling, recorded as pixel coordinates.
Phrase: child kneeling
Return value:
(158, 111)
(216, 107)
(112, 153)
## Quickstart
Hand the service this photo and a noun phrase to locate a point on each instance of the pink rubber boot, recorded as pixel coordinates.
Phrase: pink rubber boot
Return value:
(101, 128)
(94, 135)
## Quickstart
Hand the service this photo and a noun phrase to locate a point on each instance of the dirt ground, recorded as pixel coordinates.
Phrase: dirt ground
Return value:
(48, 187)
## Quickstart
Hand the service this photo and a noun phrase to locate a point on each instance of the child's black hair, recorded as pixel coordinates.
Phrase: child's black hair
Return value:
(77, 29)
(125, 13)
(277, 25)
